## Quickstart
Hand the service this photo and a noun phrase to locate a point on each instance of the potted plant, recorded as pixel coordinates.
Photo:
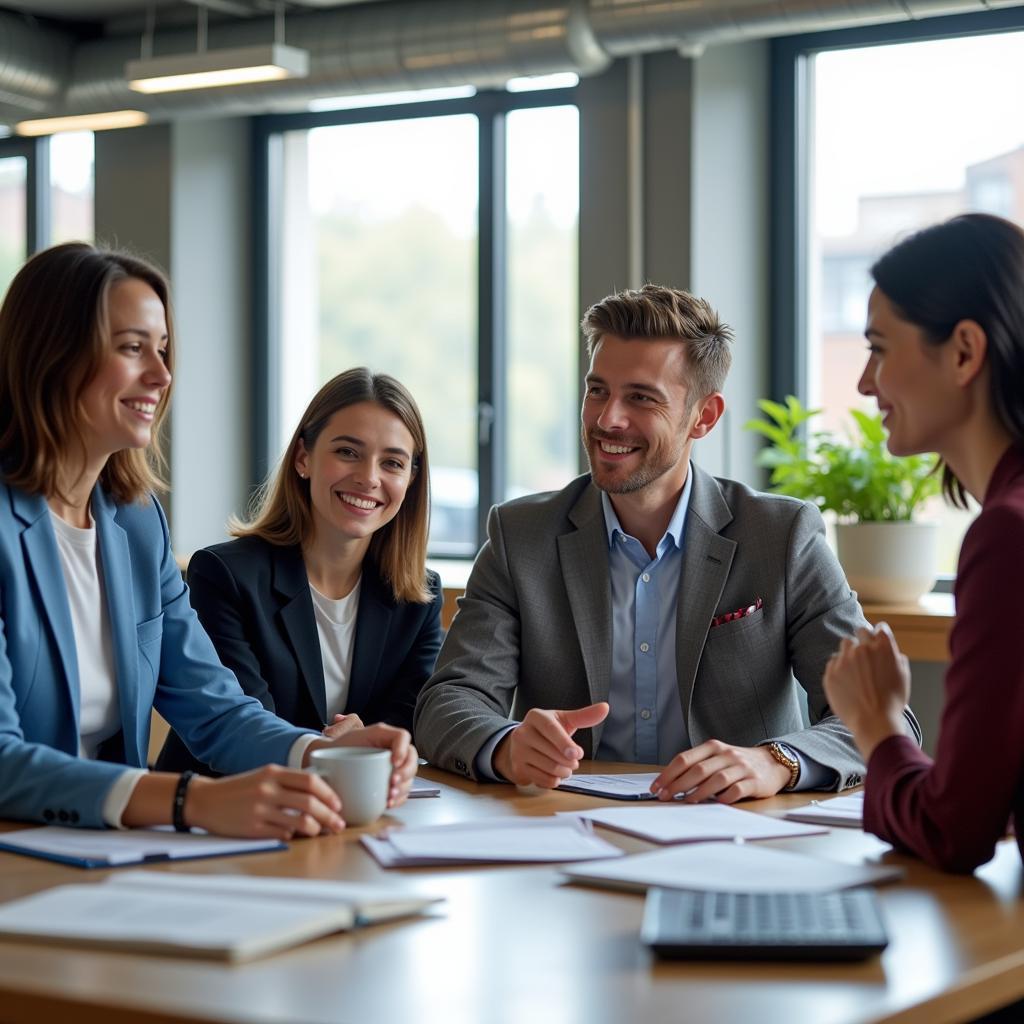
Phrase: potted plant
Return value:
(888, 557)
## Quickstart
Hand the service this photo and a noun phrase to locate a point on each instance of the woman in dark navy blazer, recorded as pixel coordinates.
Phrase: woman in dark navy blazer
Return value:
(322, 605)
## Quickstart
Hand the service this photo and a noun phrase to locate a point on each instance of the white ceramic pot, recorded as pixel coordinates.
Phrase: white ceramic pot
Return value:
(888, 562)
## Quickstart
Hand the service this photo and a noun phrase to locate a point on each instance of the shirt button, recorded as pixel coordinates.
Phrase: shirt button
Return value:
(646, 577)
(645, 713)
(645, 647)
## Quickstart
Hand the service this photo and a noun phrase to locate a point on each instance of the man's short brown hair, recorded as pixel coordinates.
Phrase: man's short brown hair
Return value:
(656, 312)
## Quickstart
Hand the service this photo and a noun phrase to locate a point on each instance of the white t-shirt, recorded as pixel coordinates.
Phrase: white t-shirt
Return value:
(336, 624)
(99, 705)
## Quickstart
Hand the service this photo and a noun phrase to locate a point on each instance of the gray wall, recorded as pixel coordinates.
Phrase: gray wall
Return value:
(179, 194)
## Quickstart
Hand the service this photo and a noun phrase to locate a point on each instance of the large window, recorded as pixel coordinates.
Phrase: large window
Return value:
(71, 187)
(13, 218)
(891, 137)
(436, 242)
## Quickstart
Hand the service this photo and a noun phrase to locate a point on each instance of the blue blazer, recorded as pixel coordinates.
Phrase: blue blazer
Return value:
(253, 599)
(162, 657)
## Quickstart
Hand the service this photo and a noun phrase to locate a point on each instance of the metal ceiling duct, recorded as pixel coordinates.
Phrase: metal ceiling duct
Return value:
(415, 44)
(33, 64)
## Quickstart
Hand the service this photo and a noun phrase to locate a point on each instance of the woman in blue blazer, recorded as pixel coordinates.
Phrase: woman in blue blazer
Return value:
(323, 606)
(95, 624)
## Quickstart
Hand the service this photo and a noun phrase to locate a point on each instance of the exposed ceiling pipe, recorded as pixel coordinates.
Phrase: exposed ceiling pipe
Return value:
(33, 64)
(408, 44)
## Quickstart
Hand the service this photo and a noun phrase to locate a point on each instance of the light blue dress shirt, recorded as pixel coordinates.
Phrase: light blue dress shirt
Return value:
(645, 722)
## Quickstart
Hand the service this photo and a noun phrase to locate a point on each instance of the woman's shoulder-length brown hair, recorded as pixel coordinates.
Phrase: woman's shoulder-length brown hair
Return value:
(281, 512)
(54, 337)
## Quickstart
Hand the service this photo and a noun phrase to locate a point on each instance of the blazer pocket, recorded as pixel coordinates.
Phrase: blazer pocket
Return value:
(149, 635)
(736, 626)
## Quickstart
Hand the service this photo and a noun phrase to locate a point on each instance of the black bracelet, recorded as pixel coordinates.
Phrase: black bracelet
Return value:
(178, 807)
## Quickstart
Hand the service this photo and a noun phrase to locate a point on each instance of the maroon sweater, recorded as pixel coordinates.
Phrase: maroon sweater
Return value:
(952, 811)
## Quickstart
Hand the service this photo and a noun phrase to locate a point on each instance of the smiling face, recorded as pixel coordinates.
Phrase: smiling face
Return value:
(359, 470)
(912, 380)
(636, 420)
(119, 404)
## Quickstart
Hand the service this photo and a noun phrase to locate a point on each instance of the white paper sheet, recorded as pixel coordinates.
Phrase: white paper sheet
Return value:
(499, 840)
(423, 788)
(633, 786)
(846, 810)
(694, 823)
(730, 867)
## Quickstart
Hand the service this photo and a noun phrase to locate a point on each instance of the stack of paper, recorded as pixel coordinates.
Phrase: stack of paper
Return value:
(694, 823)
(423, 787)
(840, 810)
(222, 916)
(634, 786)
(494, 840)
(105, 848)
(729, 867)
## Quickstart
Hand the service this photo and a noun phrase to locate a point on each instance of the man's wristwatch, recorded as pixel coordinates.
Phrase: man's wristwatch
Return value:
(787, 759)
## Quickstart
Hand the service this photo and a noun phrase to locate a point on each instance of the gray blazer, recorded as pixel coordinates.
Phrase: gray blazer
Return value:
(534, 627)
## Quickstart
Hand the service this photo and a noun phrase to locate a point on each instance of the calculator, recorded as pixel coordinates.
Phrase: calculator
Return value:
(686, 924)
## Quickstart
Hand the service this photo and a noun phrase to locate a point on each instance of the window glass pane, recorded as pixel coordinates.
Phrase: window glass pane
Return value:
(543, 333)
(379, 263)
(898, 144)
(71, 187)
(13, 244)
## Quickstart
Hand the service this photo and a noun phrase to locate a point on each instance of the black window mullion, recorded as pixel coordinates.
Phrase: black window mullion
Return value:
(37, 195)
(492, 441)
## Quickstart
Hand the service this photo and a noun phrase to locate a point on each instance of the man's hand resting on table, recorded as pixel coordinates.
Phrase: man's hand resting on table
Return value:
(540, 750)
(719, 770)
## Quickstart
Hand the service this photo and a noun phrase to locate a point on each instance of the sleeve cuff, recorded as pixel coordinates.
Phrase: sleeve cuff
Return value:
(120, 793)
(298, 749)
(812, 774)
(483, 764)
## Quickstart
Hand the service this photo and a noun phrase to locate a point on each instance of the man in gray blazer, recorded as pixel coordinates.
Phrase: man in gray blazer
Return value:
(656, 612)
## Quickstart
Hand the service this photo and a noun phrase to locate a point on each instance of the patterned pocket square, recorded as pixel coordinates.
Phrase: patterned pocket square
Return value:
(740, 613)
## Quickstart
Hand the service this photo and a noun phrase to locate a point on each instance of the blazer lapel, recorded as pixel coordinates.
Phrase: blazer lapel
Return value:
(707, 558)
(40, 547)
(583, 555)
(116, 570)
(299, 622)
(372, 620)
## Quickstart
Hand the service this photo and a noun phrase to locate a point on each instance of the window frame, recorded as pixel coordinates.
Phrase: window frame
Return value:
(36, 152)
(791, 99)
(490, 107)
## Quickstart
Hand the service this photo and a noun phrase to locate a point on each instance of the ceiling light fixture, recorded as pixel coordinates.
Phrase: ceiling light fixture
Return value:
(82, 122)
(210, 69)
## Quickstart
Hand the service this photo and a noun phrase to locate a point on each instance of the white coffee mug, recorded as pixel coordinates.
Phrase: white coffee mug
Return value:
(361, 776)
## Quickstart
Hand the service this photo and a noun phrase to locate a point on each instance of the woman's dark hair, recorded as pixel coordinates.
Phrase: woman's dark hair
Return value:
(968, 268)
(54, 338)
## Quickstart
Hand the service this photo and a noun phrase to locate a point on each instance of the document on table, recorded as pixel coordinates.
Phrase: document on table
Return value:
(106, 848)
(423, 787)
(220, 916)
(494, 840)
(633, 786)
(694, 823)
(729, 867)
(840, 810)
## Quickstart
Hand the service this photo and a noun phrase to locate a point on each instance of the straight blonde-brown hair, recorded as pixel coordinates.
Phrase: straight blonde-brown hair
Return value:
(281, 509)
(54, 337)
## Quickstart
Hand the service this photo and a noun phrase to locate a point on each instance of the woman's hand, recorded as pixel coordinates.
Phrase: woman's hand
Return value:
(388, 737)
(270, 802)
(867, 684)
(341, 725)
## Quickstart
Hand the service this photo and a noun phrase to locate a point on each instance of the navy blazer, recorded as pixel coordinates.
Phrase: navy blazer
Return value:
(162, 659)
(253, 598)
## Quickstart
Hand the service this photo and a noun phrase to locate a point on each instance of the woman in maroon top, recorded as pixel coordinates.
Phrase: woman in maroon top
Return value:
(946, 366)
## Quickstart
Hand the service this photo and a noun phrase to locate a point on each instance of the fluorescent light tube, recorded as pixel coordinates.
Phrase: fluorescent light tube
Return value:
(212, 69)
(82, 122)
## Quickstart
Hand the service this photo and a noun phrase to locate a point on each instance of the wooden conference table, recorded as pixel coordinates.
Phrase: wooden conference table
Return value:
(514, 944)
